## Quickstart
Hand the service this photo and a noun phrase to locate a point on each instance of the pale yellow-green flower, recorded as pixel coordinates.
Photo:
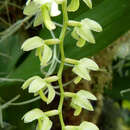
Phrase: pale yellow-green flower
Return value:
(83, 126)
(81, 100)
(43, 10)
(44, 123)
(37, 85)
(83, 32)
(43, 51)
(83, 67)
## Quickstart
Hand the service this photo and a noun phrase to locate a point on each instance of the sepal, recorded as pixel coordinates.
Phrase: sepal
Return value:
(32, 43)
(32, 115)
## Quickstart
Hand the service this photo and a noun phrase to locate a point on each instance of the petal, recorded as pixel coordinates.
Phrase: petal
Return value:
(81, 72)
(85, 33)
(73, 6)
(27, 82)
(88, 64)
(31, 8)
(93, 25)
(51, 93)
(46, 56)
(88, 126)
(32, 43)
(46, 18)
(47, 124)
(38, 19)
(88, 3)
(86, 95)
(36, 85)
(32, 115)
(54, 9)
(82, 103)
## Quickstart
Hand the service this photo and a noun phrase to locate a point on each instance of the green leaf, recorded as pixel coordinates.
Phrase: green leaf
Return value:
(108, 17)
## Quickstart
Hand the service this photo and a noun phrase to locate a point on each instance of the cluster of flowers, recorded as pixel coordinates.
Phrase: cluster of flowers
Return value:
(43, 10)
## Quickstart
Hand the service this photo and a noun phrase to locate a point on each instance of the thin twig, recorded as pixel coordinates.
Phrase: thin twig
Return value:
(2, 20)
(9, 102)
(11, 80)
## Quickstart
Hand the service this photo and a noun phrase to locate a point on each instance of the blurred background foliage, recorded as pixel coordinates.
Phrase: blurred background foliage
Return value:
(113, 57)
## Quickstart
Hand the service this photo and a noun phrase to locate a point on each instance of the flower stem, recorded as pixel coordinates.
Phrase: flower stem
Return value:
(61, 45)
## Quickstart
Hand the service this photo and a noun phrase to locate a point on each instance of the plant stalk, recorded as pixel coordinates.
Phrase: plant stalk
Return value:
(61, 45)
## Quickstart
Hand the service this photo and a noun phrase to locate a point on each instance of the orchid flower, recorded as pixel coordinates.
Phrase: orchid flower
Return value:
(43, 51)
(43, 10)
(83, 126)
(81, 100)
(83, 68)
(83, 32)
(44, 123)
(38, 85)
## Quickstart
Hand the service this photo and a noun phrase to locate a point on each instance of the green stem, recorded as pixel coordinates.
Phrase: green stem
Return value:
(61, 38)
